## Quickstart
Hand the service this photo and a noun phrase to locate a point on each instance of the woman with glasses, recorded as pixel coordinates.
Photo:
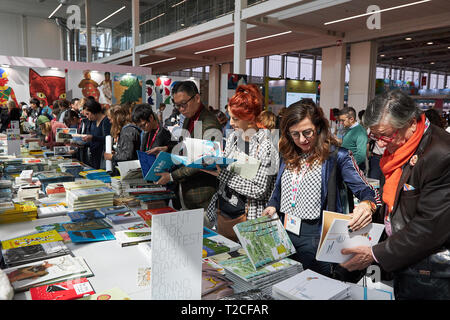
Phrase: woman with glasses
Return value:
(312, 168)
(243, 196)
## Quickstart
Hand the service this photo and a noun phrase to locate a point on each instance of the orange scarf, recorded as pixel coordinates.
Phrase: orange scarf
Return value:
(391, 164)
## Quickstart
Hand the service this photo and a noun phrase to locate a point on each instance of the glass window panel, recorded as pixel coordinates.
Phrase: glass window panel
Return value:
(275, 66)
(306, 69)
(292, 67)
(318, 69)
(258, 67)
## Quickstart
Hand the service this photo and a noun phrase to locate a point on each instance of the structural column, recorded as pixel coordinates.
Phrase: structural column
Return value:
(214, 86)
(135, 32)
(87, 12)
(363, 66)
(240, 38)
(332, 78)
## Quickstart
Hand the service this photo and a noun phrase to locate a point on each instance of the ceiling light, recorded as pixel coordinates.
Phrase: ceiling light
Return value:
(177, 4)
(117, 11)
(408, 39)
(430, 43)
(382, 55)
(400, 58)
(431, 62)
(5, 65)
(53, 68)
(248, 41)
(378, 11)
(154, 18)
(54, 11)
(159, 61)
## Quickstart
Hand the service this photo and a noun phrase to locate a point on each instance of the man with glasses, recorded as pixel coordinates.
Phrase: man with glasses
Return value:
(416, 196)
(196, 187)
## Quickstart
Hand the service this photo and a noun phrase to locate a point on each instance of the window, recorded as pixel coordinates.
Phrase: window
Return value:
(306, 69)
(275, 66)
(440, 84)
(247, 67)
(433, 81)
(380, 73)
(347, 73)
(258, 67)
(409, 75)
(292, 67)
(416, 78)
(318, 69)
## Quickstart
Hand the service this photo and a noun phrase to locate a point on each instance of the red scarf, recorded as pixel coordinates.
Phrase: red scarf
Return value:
(194, 119)
(391, 164)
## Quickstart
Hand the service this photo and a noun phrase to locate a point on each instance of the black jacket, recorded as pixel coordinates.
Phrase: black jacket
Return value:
(128, 144)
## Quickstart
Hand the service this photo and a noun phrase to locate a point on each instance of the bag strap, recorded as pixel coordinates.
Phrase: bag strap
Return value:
(331, 191)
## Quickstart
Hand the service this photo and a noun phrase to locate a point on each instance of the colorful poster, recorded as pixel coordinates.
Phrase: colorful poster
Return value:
(84, 83)
(14, 85)
(127, 88)
(47, 85)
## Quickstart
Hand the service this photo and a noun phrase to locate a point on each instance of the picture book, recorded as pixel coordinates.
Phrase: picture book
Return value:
(212, 279)
(36, 273)
(147, 214)
(91, 235)
(132, 226)
(123, 217)
(91, 193)
(29, 240)
(208, 233)
(111, 294)
(133, 237)
(265, 240)
(335, 237)
(85, 215)
(211, 248)
(129, 169)
(22, 255)
(65, 134)
(55, 226)
(113, 209)
(87, 225)
(67, 290)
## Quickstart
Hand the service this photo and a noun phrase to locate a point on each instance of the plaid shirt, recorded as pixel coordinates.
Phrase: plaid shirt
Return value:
(259, 189)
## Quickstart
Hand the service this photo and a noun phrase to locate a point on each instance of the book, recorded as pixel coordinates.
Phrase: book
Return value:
(87, 225)
(91, 235)
(265, 240)
(147, 214)
(54, 226)
(22, 255)
(85, 215)
(123, 217)
(335, 237)
(67, 290)
(208, 233)
(37, 273)
(129, 169)
(310, 285)
(212, 279)
(113, 209)
(201, 154)
(90, 193)
(65, 134)
(60, 150)
(211, 248)
(33, 239)
(133, 237)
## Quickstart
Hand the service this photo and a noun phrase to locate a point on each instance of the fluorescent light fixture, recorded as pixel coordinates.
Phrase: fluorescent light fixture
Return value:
(431, 62)
(177, 4)
(382, 55)
(117, 11)
(430, 43)
(159, 61)
(400, 58)
(154, 18)
(408, 39)
(377, 11)
(54, 11)
(248, 41)
(54, 68)
(5, 65)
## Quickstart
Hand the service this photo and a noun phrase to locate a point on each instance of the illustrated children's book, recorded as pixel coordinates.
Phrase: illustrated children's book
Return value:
(91, 235)
(67, 290)
(85, 215)
(29, 240)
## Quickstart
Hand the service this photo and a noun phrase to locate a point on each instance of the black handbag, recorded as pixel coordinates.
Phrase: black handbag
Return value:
(231, 203)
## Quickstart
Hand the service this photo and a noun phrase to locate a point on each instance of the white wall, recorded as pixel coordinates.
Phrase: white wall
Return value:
(29, 37)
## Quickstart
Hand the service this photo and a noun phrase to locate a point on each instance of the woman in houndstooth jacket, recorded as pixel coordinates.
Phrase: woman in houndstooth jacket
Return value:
(248, 191)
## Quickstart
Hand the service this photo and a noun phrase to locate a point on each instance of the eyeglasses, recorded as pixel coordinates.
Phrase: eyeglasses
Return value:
(383, 138)
(308, 134)
(182, 105)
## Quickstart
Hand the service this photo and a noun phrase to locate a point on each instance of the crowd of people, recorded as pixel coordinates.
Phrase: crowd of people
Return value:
(293, 166)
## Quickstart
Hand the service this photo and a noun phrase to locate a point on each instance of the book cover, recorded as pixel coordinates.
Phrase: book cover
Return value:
(129, 170)
(265, 240)
(87, 225)
(91, 235)
(133, 237)
(64, 134)
(335, 237)
(22, 255)
(147, 214)
(36, 273)
(29, 240)
(67, 290)
(55, 226)
(211, 248)
(113, 209)
(90, 193)
(212, 279)
(123, 217)
(208, 233)
(85, 215)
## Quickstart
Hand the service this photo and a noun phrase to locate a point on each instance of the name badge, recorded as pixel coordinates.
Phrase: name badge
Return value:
(292, 224)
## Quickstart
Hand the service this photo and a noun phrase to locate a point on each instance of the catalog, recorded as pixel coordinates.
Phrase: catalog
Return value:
(91, 235)
(335, 237)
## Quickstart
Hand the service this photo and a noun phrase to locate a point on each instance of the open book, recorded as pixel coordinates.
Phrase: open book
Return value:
(200, 154)
(335, 237)
(129, 170)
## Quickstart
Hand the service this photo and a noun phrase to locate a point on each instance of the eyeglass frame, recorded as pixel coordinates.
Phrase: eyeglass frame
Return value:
(313, 132)
(373, 137)
(182, 105)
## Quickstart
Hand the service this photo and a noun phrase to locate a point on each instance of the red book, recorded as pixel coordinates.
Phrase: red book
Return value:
(147, 213)
(67, 290)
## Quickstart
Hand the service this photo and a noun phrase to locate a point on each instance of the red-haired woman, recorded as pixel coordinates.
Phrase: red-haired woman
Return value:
(312, 169)
(244, 195)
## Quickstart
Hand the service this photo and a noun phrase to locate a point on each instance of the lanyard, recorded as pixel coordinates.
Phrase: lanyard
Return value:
(153, 139)
(296, 179)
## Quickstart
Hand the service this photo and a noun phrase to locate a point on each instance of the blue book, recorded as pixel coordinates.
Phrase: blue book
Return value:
(91, 235)
(85, 215)
(113, 209)
(123, 217)
(208, 233)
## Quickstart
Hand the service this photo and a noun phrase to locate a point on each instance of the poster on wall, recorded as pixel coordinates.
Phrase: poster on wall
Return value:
(276, 95)
(84, 83)
(14, 85)
(47, 85)
(127, 88)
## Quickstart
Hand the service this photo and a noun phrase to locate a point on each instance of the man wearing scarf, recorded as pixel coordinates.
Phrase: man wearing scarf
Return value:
(416, 196)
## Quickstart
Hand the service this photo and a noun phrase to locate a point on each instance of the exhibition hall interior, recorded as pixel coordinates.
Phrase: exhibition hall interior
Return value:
(225, 150)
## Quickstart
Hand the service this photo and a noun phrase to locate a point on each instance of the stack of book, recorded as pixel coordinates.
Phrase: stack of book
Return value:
(22, 211)
(82, 199)
(214, 283)
(55, 190)
(83, 184)
(129, 201)
(5, 190)
(74, 168)
(54, 177)
(310, 285)
(98, 174)
(50, 207)
(214, 243)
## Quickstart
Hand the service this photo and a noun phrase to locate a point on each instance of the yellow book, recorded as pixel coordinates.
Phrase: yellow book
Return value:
(33, 239)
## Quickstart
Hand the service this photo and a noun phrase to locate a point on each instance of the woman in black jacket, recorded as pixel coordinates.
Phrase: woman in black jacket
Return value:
(125, 133)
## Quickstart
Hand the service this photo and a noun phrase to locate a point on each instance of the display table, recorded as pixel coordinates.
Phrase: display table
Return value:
(112, 265)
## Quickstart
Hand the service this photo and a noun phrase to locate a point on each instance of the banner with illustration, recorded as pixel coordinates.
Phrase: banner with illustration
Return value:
(127, 88)
(84, 83)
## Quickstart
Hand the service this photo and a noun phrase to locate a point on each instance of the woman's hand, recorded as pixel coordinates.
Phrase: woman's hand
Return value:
(157, 150)
(361, 216)
(269, 211)
(87, 138)
(108, 156)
